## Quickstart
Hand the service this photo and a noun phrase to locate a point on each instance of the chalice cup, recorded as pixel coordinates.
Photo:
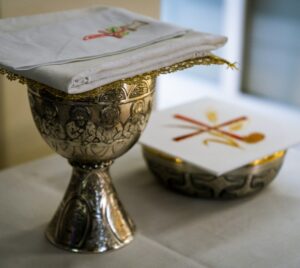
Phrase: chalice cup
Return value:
(91, 131)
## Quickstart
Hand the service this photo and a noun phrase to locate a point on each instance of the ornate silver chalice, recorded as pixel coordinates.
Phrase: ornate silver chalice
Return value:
(92, 131)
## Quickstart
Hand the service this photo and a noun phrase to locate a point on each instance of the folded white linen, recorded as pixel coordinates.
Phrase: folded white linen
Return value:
(76, 51)
(77, 34)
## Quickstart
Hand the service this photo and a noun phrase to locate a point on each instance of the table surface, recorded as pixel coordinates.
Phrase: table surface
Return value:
(173, 230)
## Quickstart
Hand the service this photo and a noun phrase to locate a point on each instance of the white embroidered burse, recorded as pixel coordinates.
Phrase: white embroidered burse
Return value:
(78, 50)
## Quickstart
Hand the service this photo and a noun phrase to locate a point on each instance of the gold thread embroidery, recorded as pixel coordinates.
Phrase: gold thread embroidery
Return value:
(223, 136)
(116, 31)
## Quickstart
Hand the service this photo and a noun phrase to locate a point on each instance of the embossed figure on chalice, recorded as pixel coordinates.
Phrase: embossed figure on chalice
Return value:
(49, 122)
(137, 121)
(80, 128)
(111, 128)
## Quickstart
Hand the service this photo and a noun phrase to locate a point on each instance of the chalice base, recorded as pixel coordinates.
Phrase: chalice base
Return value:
(90, 218)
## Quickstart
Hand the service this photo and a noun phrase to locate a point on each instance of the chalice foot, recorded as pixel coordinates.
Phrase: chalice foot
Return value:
(90, 217)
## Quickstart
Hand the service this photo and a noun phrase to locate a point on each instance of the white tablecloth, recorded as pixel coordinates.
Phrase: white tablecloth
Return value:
(173, 230)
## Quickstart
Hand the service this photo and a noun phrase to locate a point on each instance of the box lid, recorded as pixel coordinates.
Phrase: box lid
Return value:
(220, 136)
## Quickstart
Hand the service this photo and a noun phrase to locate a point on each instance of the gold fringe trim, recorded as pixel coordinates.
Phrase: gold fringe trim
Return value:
(206, 60)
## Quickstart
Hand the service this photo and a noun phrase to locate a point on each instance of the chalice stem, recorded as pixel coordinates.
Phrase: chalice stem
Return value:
(90, 218)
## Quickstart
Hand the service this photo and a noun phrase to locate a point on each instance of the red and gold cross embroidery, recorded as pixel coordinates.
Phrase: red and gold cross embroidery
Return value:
(116, 31)
(217, 130)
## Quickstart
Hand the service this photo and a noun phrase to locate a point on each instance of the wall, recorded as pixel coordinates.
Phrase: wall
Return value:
(19, 139)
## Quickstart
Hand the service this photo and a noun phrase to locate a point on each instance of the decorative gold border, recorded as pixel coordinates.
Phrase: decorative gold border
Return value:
(268, 159)
(206, 60)
(176, 160)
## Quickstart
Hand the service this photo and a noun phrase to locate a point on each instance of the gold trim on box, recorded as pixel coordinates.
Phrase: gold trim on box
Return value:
(206, 60)
(164, 156)
(176, 160)
(268, 159)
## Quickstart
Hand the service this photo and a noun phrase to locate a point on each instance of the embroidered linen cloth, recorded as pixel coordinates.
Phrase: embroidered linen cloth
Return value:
(78, 50)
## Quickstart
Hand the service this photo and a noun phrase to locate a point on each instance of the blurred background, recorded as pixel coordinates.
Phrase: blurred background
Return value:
(264, 39)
